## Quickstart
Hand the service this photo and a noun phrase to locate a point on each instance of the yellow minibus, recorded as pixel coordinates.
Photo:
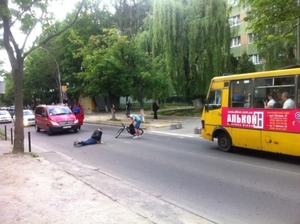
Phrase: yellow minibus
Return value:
(259, 111)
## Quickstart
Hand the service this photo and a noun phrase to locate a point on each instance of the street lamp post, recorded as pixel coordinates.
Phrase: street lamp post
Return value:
(59, 81)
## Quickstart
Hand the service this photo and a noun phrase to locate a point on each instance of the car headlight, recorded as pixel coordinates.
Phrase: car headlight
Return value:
(54, 123)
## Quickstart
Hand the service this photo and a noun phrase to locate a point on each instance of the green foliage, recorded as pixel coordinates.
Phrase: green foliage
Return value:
(275, 24)
(41, 72)
(115, 65)
(129, 15)
(72, 45)
(244, 65)
(190, 112)
(105, 71)
(272, 13)
(193, 37)
(233, 64)
(65, 48)
(34, 155)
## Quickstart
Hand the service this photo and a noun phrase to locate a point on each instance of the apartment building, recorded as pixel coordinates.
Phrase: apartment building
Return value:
(242, 39)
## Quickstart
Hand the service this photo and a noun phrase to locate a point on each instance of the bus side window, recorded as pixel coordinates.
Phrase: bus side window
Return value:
(264, 87)
(240, 93)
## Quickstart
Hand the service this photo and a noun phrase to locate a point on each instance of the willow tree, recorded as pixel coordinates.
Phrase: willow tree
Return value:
(129, 15)
(194, 37)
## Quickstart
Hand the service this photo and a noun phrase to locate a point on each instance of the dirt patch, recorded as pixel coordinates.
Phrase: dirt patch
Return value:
(35, 191)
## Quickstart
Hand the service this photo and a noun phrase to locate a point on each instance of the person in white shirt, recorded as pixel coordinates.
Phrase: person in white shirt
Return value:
(270, 102)
(288, 102)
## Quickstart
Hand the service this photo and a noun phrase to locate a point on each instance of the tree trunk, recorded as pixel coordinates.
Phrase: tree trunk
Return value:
(197, 103)
(142, 115)
(140, 99)
(113, 115)
(18, 89)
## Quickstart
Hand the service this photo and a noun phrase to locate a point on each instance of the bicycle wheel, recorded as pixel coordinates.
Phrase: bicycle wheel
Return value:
(141, 131)
(119, 132)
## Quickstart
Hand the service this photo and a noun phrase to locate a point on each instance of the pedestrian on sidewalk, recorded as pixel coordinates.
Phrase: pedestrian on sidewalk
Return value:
(155, 108)
(95, 138)
(128, 107)
(137, 120)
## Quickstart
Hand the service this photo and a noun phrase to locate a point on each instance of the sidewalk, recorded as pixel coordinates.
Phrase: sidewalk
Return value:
(171, 124)
(34, 190)
(106, 118)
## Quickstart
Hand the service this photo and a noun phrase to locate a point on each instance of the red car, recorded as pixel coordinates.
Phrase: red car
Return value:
(55, 118)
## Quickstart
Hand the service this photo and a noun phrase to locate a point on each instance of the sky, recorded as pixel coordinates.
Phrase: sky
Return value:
(60, 8)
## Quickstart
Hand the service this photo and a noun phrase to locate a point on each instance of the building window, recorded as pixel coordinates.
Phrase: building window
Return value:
(234, 21)
(251, 38)
(236, 41)
(255, 58)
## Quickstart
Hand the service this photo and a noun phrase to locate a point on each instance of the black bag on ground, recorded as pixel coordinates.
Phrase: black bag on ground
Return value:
(131, 129)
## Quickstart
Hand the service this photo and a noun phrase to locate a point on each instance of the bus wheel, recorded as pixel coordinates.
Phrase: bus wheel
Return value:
(224, 142)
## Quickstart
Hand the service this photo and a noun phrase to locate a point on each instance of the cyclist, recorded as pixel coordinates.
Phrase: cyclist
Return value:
(135, 118)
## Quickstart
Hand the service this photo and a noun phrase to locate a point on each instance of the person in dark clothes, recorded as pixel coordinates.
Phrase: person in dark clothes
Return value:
(128, 107)
(155, 108)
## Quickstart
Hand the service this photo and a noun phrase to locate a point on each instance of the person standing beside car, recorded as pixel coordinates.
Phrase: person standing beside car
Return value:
(79, 113)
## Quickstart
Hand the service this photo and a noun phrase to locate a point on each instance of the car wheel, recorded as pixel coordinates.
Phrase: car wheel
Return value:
(37, 128)
(48, 131)
(75, 130)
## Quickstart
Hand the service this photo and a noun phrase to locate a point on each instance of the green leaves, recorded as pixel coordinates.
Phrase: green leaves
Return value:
(193, 37)
(244, 65)
(275, 23)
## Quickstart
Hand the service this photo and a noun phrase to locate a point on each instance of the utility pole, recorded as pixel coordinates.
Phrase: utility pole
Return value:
(58, 74)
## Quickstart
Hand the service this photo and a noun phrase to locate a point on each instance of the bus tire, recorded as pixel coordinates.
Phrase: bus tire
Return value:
(224, 142)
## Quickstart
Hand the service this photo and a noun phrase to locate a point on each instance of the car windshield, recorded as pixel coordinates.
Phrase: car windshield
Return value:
(27, 112)
(3, 112)
(59, 110)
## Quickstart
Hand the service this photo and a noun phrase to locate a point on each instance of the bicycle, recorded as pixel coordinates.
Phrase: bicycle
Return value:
(128, 130)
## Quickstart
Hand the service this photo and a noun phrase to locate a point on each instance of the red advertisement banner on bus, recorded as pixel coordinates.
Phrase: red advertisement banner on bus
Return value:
(267, 119)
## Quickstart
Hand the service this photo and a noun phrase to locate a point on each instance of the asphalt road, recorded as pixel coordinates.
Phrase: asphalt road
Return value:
(191, 173)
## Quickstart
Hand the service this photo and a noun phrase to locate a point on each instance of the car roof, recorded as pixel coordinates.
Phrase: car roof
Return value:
(5, 111)
(52, 105)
